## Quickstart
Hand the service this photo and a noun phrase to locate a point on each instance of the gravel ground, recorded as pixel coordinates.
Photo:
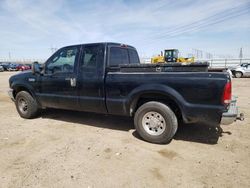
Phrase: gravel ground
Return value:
(75, 149)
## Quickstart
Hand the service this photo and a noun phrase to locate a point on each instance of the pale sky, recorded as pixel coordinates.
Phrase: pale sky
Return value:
(29, 28)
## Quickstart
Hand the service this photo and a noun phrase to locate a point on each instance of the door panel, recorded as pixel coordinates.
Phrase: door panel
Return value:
(57, 91)
(247, 70)
(91, 79)
(59, 83)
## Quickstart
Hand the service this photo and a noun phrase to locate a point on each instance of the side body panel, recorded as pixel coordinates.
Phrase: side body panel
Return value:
(56, 91)
(198, 95)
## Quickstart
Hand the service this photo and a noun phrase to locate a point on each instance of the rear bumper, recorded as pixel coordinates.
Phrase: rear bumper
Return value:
(232, 114)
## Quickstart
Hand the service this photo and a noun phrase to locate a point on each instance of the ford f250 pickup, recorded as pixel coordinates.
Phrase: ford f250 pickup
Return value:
(108, 78)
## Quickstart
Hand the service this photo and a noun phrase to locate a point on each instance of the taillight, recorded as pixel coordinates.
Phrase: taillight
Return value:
(227, 93)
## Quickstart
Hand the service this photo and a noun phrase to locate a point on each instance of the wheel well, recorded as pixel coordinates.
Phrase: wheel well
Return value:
(20, 88)
(160, 98)
(236, 71)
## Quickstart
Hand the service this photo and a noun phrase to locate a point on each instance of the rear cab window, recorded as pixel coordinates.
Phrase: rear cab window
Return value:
(92, 56)
(92, 60)
(121, 56)
(133, 57)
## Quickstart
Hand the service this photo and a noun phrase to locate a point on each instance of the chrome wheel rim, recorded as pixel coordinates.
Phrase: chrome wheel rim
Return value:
(153, 123)
(23, 106)
(237, 75)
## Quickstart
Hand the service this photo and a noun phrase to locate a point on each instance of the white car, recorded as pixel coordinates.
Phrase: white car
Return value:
(241, 70)
(1, 68)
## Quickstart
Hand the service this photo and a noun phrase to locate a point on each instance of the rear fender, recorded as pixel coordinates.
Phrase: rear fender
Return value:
(170, 93)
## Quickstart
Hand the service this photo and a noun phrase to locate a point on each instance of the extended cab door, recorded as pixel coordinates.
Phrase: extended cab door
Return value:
(117, 90)
(91, 79)
(59, 82)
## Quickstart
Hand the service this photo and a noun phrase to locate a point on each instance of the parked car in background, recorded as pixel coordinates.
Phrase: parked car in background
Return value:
(241, 70)
(23, 67)
(29, 65)
(5, 66)
(1, 68)
(12, 67)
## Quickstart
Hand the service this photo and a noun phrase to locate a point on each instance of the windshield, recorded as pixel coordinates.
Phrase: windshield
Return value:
(171, 53)
(244, 65)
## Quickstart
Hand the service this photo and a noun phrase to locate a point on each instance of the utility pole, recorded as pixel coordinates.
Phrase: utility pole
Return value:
(195, 52)
(198, 54)
(208, 55)
(201, 54)
(241, 55)
(9, 56)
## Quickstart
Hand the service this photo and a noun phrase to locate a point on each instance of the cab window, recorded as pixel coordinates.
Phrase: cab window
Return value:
(92, 57)
(133, 57)
(118, 56)
(62, 61)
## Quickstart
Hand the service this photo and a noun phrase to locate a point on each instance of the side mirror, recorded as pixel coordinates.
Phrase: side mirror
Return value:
(35, 68)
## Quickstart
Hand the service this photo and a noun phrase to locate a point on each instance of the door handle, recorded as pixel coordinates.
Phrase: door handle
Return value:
(72, 81)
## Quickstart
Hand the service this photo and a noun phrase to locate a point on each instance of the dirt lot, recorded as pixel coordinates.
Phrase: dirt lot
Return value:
(74, 149)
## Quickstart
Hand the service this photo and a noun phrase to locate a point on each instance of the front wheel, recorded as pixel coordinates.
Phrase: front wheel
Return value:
(26, 105)
(155, 122)
(238, 74)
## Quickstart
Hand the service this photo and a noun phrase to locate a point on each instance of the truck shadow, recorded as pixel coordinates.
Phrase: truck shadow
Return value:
(90, 119)
(191, 133)
(199, 133)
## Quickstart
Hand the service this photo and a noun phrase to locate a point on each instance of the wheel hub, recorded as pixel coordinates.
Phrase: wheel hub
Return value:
(22, 105)
(153, 123)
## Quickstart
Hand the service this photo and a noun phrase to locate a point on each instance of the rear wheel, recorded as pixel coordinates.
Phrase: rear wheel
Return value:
(26, 105)
(238, 74)
(155, 122)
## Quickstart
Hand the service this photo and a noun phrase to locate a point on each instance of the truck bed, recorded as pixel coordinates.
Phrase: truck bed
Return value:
(162, 67)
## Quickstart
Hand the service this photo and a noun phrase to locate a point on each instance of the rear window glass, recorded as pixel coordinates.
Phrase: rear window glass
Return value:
(133, 57)
(92, 56)
(118, 56)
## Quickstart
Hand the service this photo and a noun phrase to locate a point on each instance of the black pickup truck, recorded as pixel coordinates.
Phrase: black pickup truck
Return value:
(108, 78)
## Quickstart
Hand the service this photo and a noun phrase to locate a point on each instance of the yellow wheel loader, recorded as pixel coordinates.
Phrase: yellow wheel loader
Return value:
(169, 56)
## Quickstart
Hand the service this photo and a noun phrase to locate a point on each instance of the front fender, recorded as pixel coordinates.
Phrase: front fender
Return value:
(17, 86)
(240, 70)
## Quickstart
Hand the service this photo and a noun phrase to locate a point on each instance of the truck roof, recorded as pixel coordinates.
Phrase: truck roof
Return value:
(105, 43)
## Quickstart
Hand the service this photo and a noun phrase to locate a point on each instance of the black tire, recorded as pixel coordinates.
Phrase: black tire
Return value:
(26, 105)
(165, 134)
(238, 74)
